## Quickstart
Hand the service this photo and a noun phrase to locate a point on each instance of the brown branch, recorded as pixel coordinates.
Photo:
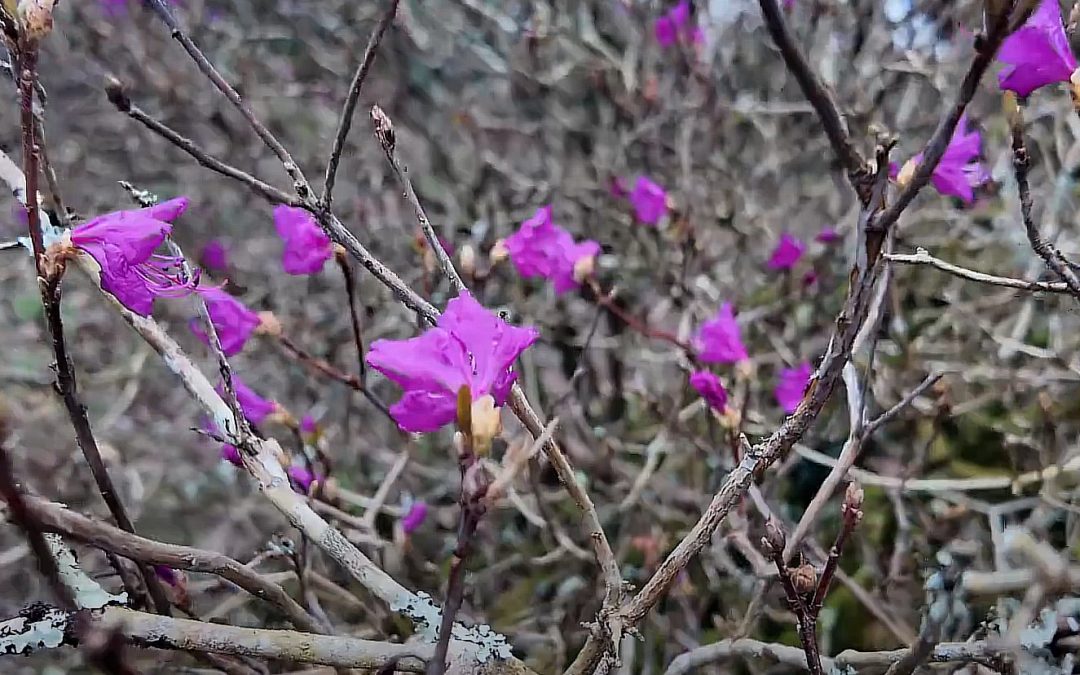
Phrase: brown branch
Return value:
(351, 99)
(1021, 163)
(55, 518)
(49, 275)
(923, 257)
(817, 94)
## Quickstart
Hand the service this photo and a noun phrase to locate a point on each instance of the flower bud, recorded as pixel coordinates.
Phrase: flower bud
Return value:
(467, 259)
(384, 129)
(486, 424)
(853, 496)
(498, 252)
(584, 268)
(907, 172)
(774, 539)
(36, 17)
(268, 324)
(804, 578)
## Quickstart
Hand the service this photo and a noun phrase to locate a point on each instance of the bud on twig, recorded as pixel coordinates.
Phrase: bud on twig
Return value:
(804, 578)
(467, 259)
(384, 129)
(117, 94)
(774, 539)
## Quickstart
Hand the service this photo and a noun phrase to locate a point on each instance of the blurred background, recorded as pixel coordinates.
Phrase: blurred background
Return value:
(501, 107)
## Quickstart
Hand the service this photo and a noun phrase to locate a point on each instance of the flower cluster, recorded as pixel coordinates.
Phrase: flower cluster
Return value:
(540, 248)
(470, 346)
(959, 172)
(122, 244)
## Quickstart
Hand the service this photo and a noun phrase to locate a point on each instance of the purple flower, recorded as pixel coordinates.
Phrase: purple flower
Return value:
(307, 247)
(308, 425)
(719, 341)
(828, 235)
(301, 478)
(233, 321)
(675, 23)
(167, 574)
(787, 253)
(214, 256)
(790, 386)
(788, 4)
(414, 517)
(1038, 53)
(123, 242)
(230, 454)
(959, 172)
(711, 389)
(649, 200)
(469, 346)
(255, 407)
(541, 248)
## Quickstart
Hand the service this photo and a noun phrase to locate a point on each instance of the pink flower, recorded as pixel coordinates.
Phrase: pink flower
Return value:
(301, 478)
(308, 425)
(828, 235)
(469, 346)
(1038, 53)
(719, 340)
(255, 407)
(414, 517)
(542, 249)
(233, 321)
(214, 256)
(675, 23)
(649, 200)
(230, 454)
(123, 242)
(711, 389)
(307, 247)
(167, 574)
(788, 4)
(787, 253)
(959, 172)
(790, 386)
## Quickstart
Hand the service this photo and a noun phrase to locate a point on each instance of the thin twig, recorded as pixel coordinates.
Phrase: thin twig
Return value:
(354, 311)
(1021, 162)
(817, 94)
(329, 370)
(384, 133)
(351, 99)
(119, 98)
(161, 8)
(923, 257)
